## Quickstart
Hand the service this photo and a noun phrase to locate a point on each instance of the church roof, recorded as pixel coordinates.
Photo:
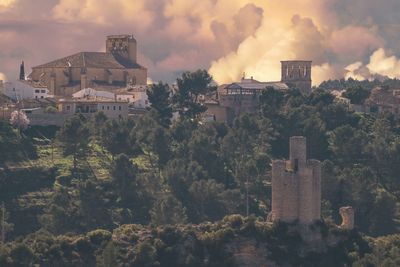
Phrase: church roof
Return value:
(251, 84)
(92, 60)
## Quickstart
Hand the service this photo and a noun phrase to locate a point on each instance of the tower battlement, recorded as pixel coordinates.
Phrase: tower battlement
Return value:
(296, 185)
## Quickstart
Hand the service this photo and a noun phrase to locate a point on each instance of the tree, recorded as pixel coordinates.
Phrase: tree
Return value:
(5, 227)
(271, 102)
(19, 120)
(357, 94)
(168, 210)
(108, 257)
(98, 121)
(74, 138)
(190, 86)
(347, 145)
(160, 100)
(92, 206)
(123, 173)
(115, 136)
(153, 140)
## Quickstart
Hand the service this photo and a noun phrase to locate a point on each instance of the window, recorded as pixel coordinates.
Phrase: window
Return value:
(36, 97)
(102, 107)
(114, 107)
(37, 91)
(43, 91)
(108, 107)
(68, 107)
(41, 96)
(120, 108)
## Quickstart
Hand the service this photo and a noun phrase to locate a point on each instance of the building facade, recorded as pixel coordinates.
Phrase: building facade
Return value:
(22, 89)
(296, 186)
(89, 106)
(116, 68)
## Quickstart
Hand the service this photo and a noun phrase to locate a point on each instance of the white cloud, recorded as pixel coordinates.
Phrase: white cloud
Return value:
(3, 77)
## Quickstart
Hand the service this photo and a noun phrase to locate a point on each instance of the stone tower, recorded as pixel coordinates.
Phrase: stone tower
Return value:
(296, 186)
(122, 46)
(297, 74)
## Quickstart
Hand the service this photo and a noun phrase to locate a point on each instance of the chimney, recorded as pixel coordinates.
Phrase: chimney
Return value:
(22, 71)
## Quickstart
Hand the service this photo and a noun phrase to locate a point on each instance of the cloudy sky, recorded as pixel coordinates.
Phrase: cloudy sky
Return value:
(344, 38)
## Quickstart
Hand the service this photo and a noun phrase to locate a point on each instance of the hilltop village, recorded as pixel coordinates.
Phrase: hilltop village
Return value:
(99, 167)
(115, 83)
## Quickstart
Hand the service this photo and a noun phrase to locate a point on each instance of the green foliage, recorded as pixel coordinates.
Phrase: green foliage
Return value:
(51, 109)
(115, 136)
(124, 173)
(190, 86)
(74, 137)
(168, 210)
(159, 96)
(357, 95)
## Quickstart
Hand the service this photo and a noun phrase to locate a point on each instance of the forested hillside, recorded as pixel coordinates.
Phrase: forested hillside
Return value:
(97, 173)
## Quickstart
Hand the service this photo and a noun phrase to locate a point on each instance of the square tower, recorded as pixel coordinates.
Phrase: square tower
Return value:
(296, 186)
(123, 46)
(297, 74)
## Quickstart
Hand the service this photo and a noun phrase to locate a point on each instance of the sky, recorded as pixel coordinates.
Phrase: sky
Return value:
(343, 38)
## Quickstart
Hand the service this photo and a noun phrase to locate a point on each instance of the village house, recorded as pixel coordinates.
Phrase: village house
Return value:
(90, 105)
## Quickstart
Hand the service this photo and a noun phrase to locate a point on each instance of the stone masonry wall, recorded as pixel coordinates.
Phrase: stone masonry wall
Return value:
(296, 186)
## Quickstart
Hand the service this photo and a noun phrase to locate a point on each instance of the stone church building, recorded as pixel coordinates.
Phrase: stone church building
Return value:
(114, 69)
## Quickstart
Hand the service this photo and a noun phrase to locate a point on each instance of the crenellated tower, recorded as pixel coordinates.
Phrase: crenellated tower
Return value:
(296, 186)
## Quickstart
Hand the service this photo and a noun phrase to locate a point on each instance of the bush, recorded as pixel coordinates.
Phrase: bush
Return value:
(99, 236)
(51, 110)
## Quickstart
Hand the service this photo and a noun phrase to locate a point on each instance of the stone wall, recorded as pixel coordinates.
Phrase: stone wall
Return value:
(45, 119)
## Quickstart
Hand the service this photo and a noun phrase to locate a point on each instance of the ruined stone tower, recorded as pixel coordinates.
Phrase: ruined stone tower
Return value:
(297, 74)
(296, 186)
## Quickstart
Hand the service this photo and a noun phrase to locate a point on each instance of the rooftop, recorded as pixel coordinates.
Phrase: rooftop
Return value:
(94, 99)
(99, 60)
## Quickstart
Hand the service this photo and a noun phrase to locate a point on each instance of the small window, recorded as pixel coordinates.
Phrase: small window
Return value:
(43, 91)
(41, 96)
(68, 107)
(120, 108)
(37, 91)
(102, 107)
(36, 97)
(108, 107)
(114, 108)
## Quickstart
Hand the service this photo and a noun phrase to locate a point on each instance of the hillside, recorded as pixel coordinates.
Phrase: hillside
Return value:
(234, 241)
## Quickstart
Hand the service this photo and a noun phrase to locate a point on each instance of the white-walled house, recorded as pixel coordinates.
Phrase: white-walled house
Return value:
(25, 89)
(90, 105)
(136, 96)
(90, 92)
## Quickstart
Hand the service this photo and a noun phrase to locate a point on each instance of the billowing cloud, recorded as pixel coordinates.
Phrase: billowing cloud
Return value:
(228, 37)
(380, 65)
(3, 77)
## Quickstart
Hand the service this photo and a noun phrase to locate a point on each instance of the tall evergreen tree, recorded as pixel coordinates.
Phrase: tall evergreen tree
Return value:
(159, 96)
